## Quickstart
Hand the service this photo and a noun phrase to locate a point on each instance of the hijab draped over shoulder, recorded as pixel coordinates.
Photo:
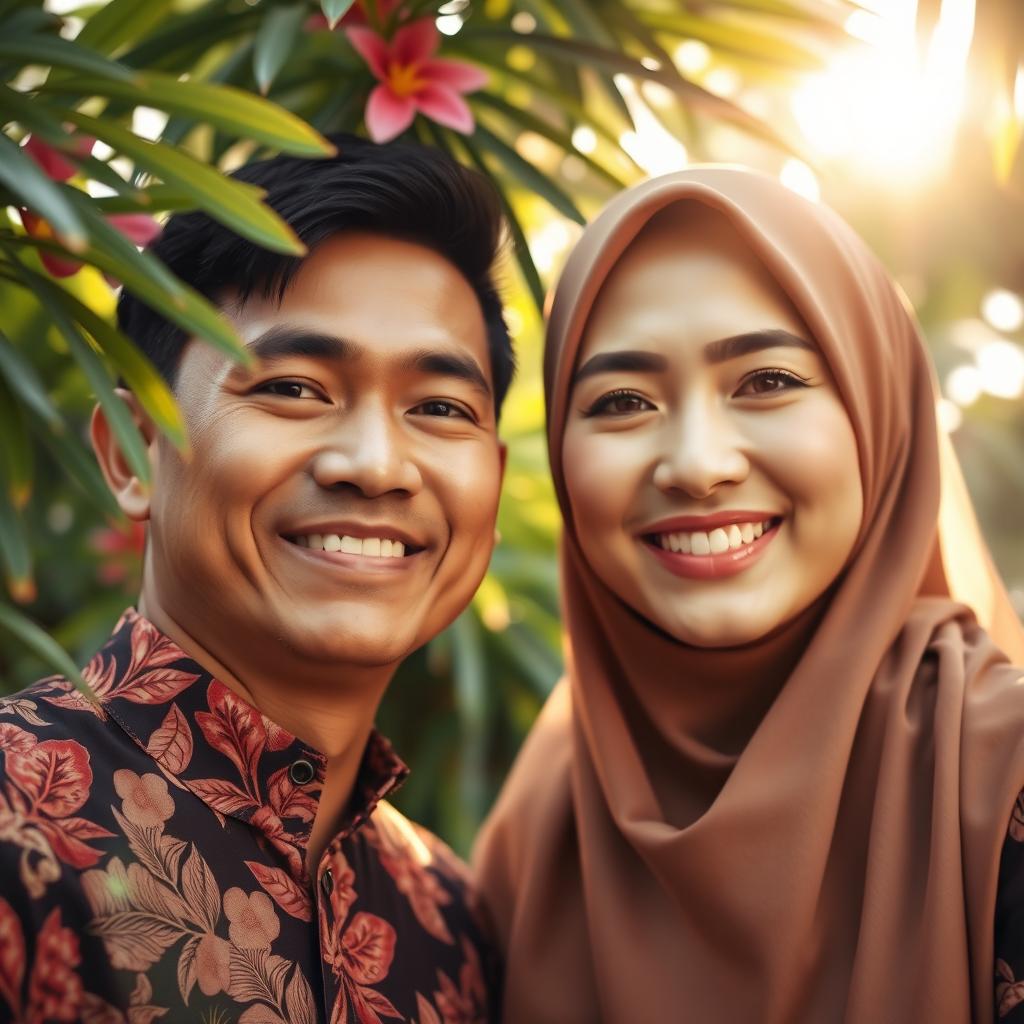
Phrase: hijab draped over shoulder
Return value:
(840, 792)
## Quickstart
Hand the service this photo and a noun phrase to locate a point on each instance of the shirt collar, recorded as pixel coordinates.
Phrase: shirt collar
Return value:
(205, 738)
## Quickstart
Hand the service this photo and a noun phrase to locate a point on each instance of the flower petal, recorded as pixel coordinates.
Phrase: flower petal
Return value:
(139, 228)
(456, 74)
(445, 106)
(56, 264)
(415, 42)
(388, 115)
(371, 48)
(53, 163)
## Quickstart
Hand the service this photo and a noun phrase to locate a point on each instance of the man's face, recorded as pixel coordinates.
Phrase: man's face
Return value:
(340, 499)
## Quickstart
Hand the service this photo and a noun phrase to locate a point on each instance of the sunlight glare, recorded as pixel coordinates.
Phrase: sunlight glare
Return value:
(878, 108)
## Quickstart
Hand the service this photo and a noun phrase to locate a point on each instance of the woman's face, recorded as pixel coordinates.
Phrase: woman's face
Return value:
(711, 467)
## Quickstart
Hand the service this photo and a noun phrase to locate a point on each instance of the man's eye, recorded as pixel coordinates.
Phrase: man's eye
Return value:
(619, 403)
(439, 407)
(287, 389)
(770, 382)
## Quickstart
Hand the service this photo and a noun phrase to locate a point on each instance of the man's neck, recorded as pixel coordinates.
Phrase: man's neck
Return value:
(336, 720)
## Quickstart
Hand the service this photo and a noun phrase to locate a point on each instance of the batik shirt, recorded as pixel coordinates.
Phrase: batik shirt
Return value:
(152, 864)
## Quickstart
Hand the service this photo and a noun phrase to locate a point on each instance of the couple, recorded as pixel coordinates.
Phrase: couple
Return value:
(778, 784)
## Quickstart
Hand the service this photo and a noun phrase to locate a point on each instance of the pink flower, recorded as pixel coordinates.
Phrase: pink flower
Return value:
(254, 925)
(412, 79)
(122, 548)
(137, 227)
(146, 802)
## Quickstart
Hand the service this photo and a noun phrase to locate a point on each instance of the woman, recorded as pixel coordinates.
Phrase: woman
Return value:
(776, 784)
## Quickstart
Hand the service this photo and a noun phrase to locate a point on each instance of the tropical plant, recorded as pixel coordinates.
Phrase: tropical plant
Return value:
(126, 110)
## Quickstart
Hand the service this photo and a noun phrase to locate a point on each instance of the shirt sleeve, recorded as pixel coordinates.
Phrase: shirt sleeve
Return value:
(1009, 924)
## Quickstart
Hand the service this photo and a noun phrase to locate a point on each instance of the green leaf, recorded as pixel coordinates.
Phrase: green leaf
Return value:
(735, 37)
(235, 204)
(145, 276)
(15, 450)
(33, 115)
(40, 643)
(472, 701)
(139, 373)
(28, 183)
(527, 121)
(16, 555)
(520, 246)
(335, 10)
(529, 176)
(275, 41)
(26, 385)
(80, 467)
(154, 199)
(119, 22)
(696, 97)
(53, 51)
(223, 106)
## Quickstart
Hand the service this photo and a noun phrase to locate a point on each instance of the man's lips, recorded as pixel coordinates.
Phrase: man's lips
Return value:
(357, 533)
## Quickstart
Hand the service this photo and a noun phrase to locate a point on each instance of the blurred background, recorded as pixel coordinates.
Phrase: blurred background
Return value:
(905, 116)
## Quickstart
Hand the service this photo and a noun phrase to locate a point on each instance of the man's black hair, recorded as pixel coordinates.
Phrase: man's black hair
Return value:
(401, 190)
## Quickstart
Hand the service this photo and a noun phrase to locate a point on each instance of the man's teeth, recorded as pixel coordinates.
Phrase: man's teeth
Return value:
(714, 542)
(374, 547)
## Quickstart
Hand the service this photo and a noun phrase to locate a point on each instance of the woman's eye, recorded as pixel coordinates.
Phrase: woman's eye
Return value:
(619, 403)
(287, 389)
(439, 407)
(770, 382)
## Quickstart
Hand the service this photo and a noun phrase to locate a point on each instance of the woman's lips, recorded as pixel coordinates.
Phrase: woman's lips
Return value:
(713, 566)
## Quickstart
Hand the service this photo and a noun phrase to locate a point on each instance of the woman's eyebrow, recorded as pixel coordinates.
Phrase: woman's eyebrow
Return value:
(621, 362)
(753, 341)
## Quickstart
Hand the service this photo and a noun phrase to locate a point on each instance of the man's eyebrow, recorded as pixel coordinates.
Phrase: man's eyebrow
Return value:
(724, 349)
(283, 342)
(457, 365)
(621, 362)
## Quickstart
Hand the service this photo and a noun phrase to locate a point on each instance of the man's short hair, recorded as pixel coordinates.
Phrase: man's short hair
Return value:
(405, 191)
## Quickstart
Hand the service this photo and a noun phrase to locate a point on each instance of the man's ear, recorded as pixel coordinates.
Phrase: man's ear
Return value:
(131, 493)
(503, 455)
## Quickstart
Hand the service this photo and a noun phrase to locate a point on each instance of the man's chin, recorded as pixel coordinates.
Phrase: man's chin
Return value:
(345, 643)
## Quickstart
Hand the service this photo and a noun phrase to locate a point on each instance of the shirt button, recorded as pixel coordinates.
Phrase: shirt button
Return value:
(327, 882)
(301, 772)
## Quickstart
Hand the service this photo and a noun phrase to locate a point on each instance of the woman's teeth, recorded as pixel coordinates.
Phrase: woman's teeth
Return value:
(714, 542)
(375, 547)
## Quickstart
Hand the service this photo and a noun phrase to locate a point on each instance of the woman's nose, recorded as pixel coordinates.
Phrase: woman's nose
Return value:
(702, 449)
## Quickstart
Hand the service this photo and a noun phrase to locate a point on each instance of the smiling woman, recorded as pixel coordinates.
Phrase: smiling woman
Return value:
(777, 783)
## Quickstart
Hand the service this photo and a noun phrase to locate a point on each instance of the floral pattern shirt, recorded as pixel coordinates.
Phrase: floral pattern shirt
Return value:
(152, 848)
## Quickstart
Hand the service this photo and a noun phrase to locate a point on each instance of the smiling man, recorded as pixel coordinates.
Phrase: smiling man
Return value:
(209, 839)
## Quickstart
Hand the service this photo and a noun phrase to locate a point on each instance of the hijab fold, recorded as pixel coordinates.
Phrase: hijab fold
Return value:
(807, 829)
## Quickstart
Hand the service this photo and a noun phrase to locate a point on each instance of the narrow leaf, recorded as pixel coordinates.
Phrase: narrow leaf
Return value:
(223, 106)
(529, 176)
(275, 41)
(139, 373)
(335, 10)
(26, 384)
(121, 21)
(15, 554)
(53, 51)
(15, 450)
(40, 643)
(235, 204)
(143, 274)
(26, 180)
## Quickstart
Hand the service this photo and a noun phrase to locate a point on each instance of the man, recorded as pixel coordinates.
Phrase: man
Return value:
(208, 840)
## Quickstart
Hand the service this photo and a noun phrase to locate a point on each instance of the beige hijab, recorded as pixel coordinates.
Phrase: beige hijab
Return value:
(839, 794)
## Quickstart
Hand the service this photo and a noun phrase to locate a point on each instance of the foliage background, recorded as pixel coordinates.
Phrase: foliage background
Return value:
(583, 98)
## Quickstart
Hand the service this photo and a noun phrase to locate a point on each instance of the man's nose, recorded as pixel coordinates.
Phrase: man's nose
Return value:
(367, 449)
(702, 449)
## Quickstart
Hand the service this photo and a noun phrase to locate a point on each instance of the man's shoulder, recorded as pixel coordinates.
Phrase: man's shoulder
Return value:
(401, 839)
(46, 707)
